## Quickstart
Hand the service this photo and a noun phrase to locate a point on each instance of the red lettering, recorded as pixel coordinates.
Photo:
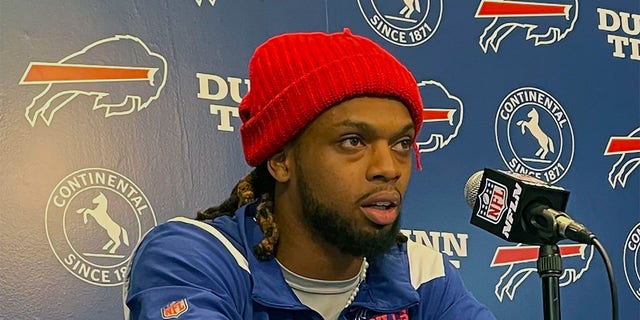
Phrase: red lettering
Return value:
(404, 315)
(497, 203)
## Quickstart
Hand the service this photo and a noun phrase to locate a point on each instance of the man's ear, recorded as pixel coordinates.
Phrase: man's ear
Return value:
(279, 165)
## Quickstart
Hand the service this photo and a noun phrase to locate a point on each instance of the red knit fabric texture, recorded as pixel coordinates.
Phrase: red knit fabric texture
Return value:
(295, 77)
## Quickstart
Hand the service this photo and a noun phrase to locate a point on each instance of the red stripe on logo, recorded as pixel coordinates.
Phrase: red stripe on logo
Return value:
(522, 254)
(39, 72)
(495, 8)
(619, 145)
(433, 115)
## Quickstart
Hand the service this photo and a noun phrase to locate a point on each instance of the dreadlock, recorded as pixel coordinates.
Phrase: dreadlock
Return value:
(258, 184)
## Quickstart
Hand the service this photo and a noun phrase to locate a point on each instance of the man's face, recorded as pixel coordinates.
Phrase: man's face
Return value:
(352, 167)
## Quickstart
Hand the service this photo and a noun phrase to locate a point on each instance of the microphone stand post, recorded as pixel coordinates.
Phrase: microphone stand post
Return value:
(550, 269)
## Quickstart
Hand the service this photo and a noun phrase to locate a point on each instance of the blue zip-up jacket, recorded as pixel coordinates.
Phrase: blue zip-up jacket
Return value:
(187, 269)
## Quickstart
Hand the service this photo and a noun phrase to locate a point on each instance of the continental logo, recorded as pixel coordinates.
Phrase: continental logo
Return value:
(119, 75)
(631, 261)
(404, 23)
(534, 135)
(93, 219)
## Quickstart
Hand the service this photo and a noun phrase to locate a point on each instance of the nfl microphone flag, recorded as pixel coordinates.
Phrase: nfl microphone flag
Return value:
(501, 200)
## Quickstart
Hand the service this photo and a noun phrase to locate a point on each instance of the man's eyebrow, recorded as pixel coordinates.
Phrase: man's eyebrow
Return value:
(367, 128)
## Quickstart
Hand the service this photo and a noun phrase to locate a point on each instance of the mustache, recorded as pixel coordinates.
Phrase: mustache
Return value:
(386, 188)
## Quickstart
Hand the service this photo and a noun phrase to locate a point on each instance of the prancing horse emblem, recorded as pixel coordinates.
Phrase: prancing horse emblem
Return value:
(546, 144)
(114, 230)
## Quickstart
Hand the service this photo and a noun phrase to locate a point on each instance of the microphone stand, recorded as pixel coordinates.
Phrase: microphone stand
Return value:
(550, 269)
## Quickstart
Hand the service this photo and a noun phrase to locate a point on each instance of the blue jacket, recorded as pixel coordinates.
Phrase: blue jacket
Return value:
(187, 269)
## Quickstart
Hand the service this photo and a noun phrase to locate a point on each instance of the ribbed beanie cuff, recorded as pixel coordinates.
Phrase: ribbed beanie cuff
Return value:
(295, 77)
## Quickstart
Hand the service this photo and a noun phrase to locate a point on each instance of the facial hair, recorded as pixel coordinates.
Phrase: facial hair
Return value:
(340, 230)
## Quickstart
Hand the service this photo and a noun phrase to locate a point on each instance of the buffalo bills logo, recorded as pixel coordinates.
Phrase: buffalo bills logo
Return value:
(442, 113)
(628, 147)
(521, 262)
(545, 22)
(119, 74)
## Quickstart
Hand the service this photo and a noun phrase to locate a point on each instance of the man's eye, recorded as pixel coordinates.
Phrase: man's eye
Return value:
(352, 142)
(403, 145)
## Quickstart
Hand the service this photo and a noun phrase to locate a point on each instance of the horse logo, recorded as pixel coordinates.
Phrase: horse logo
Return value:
(409, 7)
(546, 143)
(93, 219)
(534, 135)
(404, 23)
(114, 230)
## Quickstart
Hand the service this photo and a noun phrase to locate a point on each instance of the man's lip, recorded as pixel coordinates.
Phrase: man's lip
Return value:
(384, 196)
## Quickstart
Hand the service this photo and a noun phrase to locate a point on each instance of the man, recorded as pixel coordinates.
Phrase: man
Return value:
(313, 232)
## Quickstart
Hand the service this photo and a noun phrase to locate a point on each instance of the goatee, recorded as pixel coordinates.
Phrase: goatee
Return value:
(340, 231)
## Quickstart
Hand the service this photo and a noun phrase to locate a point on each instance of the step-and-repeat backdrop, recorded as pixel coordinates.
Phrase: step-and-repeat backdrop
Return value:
(119, 115)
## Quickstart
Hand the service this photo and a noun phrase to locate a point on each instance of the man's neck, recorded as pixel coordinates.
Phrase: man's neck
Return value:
(306, 255)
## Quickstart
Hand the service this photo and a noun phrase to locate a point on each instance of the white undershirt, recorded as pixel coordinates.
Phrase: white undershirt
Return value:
(328, 298)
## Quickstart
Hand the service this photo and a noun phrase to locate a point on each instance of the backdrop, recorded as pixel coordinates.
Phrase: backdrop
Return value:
(119, 115)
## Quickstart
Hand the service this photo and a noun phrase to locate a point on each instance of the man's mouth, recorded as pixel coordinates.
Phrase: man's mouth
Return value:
(381, 208)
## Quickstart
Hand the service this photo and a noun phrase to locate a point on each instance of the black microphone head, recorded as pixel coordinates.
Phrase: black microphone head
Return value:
(472, 187)
(501, 203)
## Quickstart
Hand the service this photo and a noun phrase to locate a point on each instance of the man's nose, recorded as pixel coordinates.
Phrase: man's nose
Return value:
(383, 164)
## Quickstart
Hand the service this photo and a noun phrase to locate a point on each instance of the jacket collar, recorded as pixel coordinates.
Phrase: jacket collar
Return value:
(387, 286)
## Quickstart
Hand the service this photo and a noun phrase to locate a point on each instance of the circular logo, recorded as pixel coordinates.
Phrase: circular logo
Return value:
(630, 258)
(404, 23)
(94, 218)
(534, 134)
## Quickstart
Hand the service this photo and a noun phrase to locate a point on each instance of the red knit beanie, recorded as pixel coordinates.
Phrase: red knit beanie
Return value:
(295, 77)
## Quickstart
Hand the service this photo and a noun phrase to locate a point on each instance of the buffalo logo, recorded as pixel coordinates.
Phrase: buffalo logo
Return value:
(93, 218)
(403, 22)
(113, 85)
(521, 262)
(545, 23)
(211, 2)
(534, 134)
(174, 309)
(442, 116)
(629, 150)
(492, 201)
(630, 259)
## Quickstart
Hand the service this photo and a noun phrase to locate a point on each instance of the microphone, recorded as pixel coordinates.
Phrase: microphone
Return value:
(521, 208)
